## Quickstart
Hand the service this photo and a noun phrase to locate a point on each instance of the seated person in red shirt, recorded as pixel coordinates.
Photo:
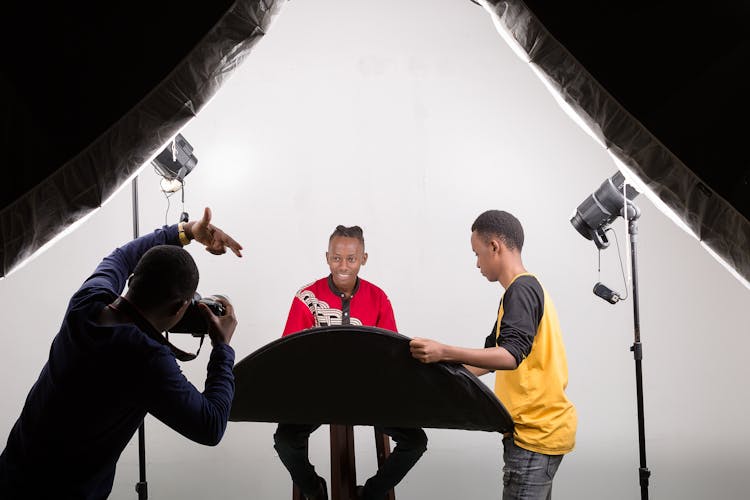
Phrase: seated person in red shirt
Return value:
(342, 298)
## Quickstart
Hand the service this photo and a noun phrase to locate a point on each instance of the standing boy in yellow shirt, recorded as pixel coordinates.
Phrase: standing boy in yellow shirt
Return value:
(527, 351)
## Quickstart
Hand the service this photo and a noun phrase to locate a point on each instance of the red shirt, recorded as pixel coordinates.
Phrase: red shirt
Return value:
(321, 304)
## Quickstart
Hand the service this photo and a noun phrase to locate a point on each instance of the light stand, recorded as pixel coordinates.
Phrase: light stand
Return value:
(141, 486)
(591, 219)
(637, 349)
(174, 163)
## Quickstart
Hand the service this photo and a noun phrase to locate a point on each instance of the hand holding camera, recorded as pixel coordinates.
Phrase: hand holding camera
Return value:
(221, 324)
(213, 315)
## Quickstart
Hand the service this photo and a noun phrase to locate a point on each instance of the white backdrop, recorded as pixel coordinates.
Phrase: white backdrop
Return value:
(410, 119)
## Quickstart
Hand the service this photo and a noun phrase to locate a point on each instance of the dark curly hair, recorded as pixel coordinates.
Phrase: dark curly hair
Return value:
(165, 274)
(501, 224)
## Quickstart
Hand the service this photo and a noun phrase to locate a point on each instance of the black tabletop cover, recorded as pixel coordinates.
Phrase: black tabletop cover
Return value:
(360, 376)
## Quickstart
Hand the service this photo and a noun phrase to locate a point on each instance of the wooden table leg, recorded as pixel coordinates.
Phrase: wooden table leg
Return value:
(343, 464)
(296, 493)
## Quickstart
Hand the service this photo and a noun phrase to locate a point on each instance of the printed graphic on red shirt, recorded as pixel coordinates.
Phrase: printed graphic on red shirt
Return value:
(316, 304)
(324, 314)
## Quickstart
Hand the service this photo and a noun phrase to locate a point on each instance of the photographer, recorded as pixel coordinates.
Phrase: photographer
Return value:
(109, 365)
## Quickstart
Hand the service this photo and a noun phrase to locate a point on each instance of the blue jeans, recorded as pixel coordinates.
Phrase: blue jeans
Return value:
(527, 475)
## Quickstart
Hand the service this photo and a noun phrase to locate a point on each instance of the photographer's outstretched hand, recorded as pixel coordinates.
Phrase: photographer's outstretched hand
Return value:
(220, 328)
(214, 239)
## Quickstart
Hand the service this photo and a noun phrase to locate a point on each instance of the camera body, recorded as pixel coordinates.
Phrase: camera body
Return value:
(193, 321)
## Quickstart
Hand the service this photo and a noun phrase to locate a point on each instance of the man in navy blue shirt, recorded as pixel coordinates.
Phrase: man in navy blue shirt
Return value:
(109, 365)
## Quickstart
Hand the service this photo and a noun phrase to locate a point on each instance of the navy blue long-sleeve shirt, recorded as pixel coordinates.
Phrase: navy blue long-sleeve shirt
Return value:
(96, 388)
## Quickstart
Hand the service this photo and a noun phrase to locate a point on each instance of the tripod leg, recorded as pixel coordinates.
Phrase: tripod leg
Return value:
(142, 486)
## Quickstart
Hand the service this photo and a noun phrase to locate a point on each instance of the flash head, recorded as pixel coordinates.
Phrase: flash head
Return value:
(602, 207)
(176, 160)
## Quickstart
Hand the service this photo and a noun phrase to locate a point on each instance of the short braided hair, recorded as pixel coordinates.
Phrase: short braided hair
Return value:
(348, 232)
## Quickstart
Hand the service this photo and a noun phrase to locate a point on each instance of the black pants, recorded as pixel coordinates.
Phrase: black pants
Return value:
(291, 442)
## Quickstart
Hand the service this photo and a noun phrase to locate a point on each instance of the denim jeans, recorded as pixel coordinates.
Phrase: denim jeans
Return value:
(527, 475)
(291, 443)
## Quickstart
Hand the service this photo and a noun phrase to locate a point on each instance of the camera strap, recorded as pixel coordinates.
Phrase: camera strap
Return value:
(183, 355)
(122, 305)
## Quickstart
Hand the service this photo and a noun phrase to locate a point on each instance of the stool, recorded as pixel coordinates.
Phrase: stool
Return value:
(343, 468)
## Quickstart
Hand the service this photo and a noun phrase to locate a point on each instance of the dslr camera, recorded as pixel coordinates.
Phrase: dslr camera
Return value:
(193, 321)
